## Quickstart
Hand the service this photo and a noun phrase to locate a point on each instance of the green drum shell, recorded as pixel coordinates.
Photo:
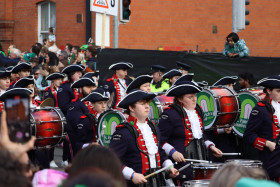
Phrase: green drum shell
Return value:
(155, 111)
(107, 123)
(248, 101)
(210, 116)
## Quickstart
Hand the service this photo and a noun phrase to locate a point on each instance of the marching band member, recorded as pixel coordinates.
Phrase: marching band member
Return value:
(87, 85)
(172, 76)
(181, 127)
(228, 81)
(137, 142)
(29, 82)
(142, 82)
(116, 85)
(263, 126)
(158, 83)
(98, 100)
(224, 138)
(94, 75)
(4, 84)
(51, 91)
(80, 125)
(184, 68)
(23, 69)
(65, 96)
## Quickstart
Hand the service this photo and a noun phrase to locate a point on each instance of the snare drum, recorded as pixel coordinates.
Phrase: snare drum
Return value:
(48, 126)
(198, 183)
(165, 100)
(220, 106)
(107, 123)
(204, 170)
(155, 110)
(249, 98)
(246, 163)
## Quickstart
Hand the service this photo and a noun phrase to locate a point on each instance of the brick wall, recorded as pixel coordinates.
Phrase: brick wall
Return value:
(181, 25)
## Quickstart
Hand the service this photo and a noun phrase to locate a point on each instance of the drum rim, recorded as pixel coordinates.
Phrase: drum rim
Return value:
(216, 106)
(206, 165)
(101, 117)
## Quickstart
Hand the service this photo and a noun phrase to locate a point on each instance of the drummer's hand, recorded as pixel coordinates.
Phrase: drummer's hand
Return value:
(138, 178)
(178, 157)
(228, 130)
(173, 173)
(270, 145)
(216, 152)
(17, 149)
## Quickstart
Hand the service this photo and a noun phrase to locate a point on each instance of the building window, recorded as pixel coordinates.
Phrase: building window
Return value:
(46, 19)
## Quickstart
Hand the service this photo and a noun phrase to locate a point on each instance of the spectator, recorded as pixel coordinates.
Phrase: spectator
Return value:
(37, 73)
(41, 82)
(246, 80)
(236, 172)
(99, 157)
(42, 56)
(1, 50)
(91, 58)
(68, 48)
(235, 47)
(10, 48)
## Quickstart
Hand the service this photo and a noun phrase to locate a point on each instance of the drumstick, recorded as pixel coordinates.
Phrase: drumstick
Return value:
(182, 168)
(158, 171)
(202, 161)
(230, 154)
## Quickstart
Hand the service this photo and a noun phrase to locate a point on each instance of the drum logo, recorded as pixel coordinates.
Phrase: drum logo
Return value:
(248, 102)
(154, 112)
(206, 102)
(108, 127)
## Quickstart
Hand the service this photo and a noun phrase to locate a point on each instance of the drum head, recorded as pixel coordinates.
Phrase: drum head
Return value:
(246, 163)
(107, 123)
(206, 165)
(247, 102)
(209, 106)
(193, 183)
(155, 110)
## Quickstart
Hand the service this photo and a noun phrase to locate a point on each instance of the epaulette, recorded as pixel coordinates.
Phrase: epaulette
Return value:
(47, 88)
(261, 104)
(120, 126)
(65, 81)
(109, 79)
(83, 117)
(167, 108)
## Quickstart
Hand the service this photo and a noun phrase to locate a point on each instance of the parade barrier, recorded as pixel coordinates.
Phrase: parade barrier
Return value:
(206, 66)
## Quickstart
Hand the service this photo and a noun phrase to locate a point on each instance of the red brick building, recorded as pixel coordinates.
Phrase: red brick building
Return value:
(174, 24)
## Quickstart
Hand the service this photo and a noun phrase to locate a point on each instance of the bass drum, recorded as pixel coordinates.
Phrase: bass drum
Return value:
(165, 100)
(249, 98)
(47, 126)
(155, 110)
(107, 123)
(205, 170)
(220, 106)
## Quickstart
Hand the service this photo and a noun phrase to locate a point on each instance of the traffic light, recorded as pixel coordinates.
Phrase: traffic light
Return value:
(247, 22)
(125, 10)
(238, 15)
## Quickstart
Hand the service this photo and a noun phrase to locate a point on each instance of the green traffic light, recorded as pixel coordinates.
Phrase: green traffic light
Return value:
(126, 14)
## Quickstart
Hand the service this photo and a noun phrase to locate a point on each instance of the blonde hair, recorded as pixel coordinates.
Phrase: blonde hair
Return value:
(230, 173)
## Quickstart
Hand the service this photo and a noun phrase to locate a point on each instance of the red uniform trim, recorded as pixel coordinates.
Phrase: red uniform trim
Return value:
(142, 146)
(261, 104)
(275, 126)
(90, 108)
(259, 143)
(83, 117)
(188, 133)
